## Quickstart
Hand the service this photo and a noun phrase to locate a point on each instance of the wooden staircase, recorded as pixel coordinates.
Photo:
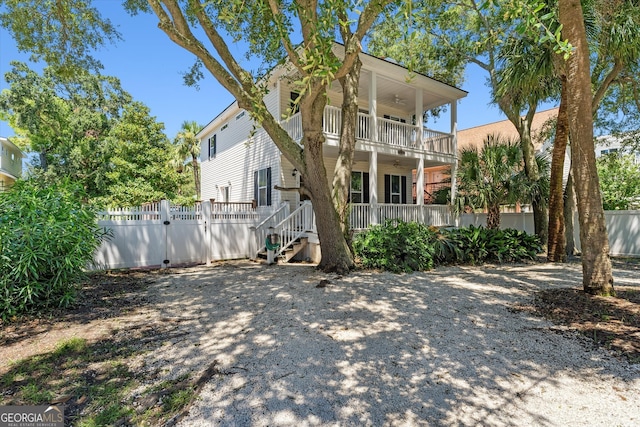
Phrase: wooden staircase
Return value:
(288, 253)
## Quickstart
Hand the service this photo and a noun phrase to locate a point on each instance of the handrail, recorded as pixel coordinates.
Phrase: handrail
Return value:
(294, 226)
(261, 229)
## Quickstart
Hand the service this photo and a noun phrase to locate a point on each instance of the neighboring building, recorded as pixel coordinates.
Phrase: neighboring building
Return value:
(238, 166)
(10, 163)
(476, 135)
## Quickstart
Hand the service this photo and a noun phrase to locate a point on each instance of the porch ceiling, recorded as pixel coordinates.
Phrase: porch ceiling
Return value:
(362, 158)
(396, 94)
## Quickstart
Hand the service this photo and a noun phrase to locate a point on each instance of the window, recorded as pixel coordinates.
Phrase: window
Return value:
(239, 116)
(359, 187)
(394, 118)
(212, 147)
(395, 189)
(226, 125)
(262, 187)
(293, 105)
(224, 194)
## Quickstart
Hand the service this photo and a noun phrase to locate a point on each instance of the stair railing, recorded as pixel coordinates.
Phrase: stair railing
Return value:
(261, 230)
(294, 226)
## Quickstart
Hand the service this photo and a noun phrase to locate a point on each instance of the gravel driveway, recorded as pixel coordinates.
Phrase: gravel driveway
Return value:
(449, 347)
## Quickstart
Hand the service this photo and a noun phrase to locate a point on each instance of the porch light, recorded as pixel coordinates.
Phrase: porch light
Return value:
(294, 172)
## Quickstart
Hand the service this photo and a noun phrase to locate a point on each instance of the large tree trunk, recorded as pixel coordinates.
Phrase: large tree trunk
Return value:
(597, 277)
(344, 163)
(556, 251)
(336, 255)
(196, 175)
(569, 204)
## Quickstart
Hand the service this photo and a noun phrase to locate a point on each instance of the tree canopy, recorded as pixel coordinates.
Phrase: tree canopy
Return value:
(85, 127)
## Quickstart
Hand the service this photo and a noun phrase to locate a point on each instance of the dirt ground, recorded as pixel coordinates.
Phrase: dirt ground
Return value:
(115, 307)
(110, 299)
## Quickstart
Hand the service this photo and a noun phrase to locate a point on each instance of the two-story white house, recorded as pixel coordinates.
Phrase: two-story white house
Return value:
(10, 163)
(241, 166)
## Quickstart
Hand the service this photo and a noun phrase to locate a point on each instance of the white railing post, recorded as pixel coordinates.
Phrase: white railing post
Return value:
(206, 222)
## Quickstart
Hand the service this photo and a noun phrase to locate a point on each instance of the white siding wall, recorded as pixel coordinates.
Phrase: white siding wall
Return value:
(383, 169)
(234, 167)
(236, 159)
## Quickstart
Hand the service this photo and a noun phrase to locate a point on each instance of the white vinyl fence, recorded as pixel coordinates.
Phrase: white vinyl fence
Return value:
(623, 228)
(159, 234)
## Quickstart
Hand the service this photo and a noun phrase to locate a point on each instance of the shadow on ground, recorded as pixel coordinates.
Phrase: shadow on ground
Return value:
(444, 347)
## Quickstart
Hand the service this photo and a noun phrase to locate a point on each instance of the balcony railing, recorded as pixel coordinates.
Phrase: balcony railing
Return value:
(389, 132)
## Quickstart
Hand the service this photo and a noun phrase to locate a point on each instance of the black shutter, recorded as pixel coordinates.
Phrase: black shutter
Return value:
(208, 148)
(255, 187)
(365, 187)
(268, 186)
(403, 189)
(387, 188)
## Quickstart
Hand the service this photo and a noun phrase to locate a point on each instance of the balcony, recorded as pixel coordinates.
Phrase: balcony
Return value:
(387, 133)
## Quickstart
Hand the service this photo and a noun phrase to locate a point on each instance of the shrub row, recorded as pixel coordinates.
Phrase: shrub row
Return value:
(399, 246)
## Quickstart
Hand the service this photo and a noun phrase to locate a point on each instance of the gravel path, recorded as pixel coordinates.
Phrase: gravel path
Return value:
(442, 348)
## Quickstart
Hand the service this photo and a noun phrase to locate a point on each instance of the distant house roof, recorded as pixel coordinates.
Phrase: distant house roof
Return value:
(476, 135)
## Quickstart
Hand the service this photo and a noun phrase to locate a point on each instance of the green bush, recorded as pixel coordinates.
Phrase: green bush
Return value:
(475, 245)
(397, 246)
(403, 247)
(47, 238)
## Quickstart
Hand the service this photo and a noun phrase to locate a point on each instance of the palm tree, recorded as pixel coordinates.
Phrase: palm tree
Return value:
(490, 177)
(188, 146)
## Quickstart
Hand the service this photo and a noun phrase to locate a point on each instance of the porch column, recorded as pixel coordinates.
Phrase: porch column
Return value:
(420, 181)
(454, 166)
(454, 132)
(373, 187)
(373, 106)
(419, 120)
(420, 188)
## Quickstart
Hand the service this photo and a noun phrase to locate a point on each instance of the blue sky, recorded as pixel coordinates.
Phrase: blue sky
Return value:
(150, 67)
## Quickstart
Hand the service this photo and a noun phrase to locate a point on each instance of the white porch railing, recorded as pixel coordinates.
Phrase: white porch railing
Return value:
(395, 133)
(293, 126)
(363, 215)
(390, 132)
(332, 120)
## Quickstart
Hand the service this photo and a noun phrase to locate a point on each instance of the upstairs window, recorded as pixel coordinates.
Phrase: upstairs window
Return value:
(262, 187)
(212, 147)
(293, 105)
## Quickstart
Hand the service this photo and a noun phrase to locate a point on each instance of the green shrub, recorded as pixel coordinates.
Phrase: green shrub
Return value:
(475, 245)
(396, 246)
(47, 239)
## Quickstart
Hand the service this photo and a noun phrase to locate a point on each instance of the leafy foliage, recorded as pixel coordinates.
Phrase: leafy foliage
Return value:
(398, 246)
(495, 175)
(87, 128)
(619, 181)
(47, 237)
(65, 34)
